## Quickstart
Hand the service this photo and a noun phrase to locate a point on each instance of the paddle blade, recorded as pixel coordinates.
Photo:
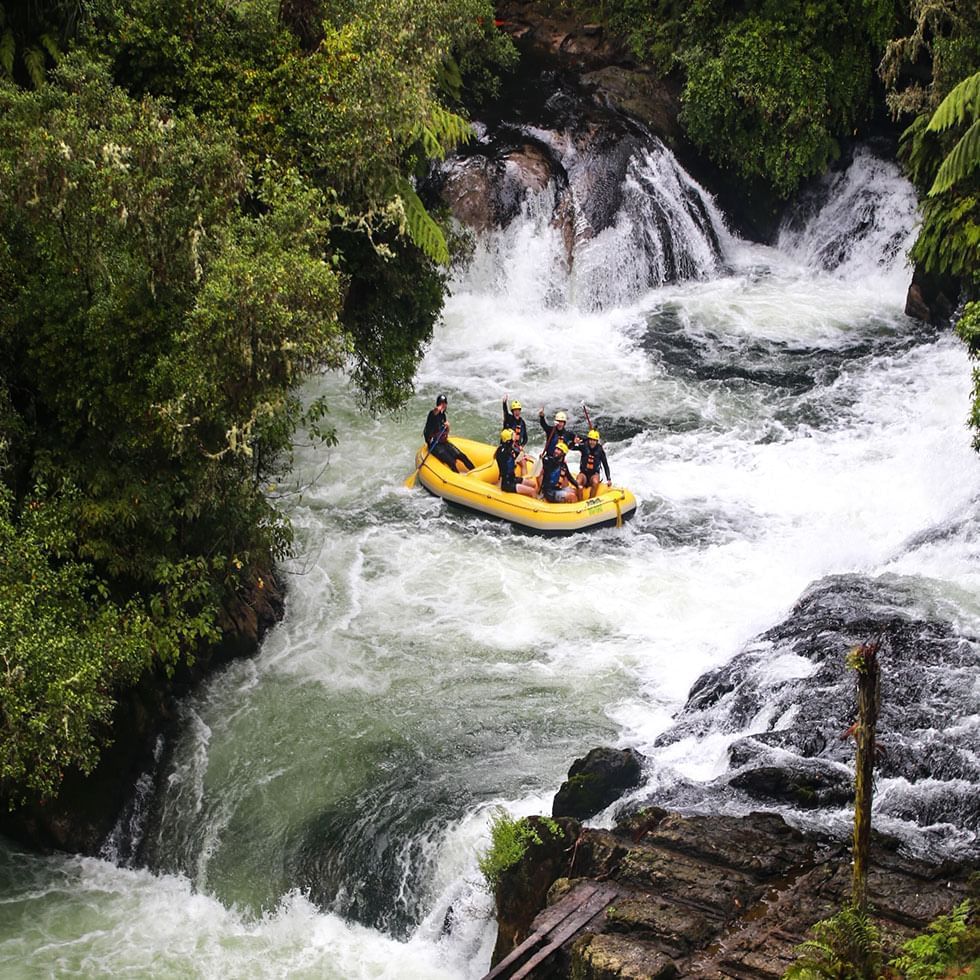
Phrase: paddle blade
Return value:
(410, 481)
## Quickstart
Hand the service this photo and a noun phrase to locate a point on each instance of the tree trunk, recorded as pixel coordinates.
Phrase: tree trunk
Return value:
(865, 661)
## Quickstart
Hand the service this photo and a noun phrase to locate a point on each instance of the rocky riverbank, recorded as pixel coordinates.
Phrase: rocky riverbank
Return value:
(706, 884)
(707, 896)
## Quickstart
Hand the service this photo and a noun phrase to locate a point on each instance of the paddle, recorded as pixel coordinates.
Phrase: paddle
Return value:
(410, 481)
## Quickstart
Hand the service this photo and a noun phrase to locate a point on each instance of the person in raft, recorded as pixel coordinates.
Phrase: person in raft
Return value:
(556, 433)
(507, 457)
(557, 483)
(593, 457)
(436, 435)
(513, 420)
(435, 420)
(446, 452)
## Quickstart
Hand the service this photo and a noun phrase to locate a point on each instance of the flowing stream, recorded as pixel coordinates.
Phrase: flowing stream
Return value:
(779, 420)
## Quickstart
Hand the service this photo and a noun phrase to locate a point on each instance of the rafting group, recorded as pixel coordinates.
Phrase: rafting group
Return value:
(552, 480)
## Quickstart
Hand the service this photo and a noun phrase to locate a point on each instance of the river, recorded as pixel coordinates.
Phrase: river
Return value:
(779, 419)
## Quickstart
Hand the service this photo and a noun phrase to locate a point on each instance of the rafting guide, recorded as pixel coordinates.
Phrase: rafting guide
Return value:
(494, 479)
(436, 435)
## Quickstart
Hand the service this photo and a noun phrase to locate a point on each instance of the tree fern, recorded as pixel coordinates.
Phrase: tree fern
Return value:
(419, 224)
(961, 161)
(920, 152)
(962, 104)
(958, 108)
(442, 130)
(8, 47)
(33, 59)
(51, 46)
(435, 136)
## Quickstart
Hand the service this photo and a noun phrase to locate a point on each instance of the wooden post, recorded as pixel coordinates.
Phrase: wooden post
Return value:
(864, 659)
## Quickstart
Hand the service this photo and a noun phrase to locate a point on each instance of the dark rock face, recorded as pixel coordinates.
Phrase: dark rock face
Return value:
(559, 36)
(931, 298)
(595, 781)
(717, 896)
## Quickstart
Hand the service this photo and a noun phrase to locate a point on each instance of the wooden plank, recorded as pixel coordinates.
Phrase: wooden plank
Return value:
(571, 925)
(552, 917)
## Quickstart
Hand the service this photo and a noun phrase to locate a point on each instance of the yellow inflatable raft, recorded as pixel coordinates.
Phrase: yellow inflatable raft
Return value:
(480, 490)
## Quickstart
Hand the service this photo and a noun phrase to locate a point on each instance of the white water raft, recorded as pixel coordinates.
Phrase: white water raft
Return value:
(479, 490)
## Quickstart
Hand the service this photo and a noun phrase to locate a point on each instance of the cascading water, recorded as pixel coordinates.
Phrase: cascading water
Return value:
(779, 419)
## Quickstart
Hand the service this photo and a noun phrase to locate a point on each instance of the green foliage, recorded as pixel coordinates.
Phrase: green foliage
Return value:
(654, 31)
(944, 39)
(152, 329)
(420, 227)
(968, 328)
(64, 647)
(198, 210)
(957, 109)
(509, 840)
(949, 236)
(770, 87)
(847, 946)
(947, 942)
(389, 312)
(768, 103)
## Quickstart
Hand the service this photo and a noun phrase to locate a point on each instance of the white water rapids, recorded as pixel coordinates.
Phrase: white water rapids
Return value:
(778, 418)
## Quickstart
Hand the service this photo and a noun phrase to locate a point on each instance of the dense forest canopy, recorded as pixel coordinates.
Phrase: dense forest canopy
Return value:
(203, 202)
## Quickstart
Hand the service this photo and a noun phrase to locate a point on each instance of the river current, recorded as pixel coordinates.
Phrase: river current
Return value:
(779, 419)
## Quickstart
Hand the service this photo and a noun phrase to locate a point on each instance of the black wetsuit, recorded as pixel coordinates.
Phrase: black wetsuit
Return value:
(551, 475)
(591, 460)
(506, 457)
(433, 425)
(554, 435)
(447, 453)
(511, 421)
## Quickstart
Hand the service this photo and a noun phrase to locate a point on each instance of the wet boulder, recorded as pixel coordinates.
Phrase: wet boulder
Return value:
(597, 780)
(788, 700)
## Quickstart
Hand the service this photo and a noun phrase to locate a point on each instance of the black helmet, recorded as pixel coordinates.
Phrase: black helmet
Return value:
(442, 400)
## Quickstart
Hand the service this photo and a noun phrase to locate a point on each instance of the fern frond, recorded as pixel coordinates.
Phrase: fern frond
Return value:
(449, 77)
(959, 106)
(51, 46)
(441, 131)
(421, 228)
(8, 47)
(33, 58)
(962, 160)
(920, 152)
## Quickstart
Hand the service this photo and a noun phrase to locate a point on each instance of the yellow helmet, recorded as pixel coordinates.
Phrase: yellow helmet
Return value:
(515, 404)
(561, 448)
(593, 434)
(506, 435)
(561, 417)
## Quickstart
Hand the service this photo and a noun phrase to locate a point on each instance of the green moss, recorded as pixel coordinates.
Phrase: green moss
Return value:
(509, 840)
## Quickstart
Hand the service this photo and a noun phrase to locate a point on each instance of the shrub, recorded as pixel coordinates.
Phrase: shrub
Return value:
(509, 840)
